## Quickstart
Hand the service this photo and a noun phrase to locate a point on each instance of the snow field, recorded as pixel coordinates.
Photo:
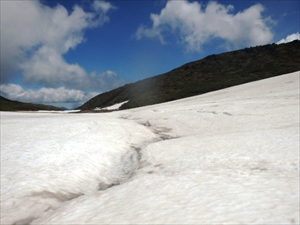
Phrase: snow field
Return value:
(112, 107)
(226, 157)
(47, 160)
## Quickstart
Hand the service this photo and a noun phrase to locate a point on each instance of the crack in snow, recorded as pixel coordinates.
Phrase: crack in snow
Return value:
(25, 221)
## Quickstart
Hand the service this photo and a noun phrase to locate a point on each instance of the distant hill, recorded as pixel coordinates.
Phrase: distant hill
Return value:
(209, 74)
(9, 105)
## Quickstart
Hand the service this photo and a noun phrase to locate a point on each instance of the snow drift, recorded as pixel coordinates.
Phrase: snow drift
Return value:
(230, 156)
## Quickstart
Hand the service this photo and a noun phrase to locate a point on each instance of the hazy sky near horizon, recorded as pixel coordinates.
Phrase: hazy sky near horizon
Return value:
(65, 52)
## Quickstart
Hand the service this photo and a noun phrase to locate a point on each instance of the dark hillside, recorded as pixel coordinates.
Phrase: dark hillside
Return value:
(209, 74)
(9, 105)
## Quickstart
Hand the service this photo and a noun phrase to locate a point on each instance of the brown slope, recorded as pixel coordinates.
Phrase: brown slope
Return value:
(209, 74)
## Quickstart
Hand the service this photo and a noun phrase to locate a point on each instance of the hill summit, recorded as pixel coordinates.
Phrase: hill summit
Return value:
(208, 74)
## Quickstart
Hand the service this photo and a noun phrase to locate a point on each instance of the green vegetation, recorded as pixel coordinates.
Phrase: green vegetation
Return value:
(8, 105)
(209, 74)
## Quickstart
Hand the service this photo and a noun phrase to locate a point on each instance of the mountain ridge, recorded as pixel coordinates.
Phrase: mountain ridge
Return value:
(211, 73)
(10, 105)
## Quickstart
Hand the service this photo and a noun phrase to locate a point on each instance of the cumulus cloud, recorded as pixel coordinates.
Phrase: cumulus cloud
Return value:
(48, 68)
(196, 24)
(45, 95)
(289, 38)
(102, 8)
(35, 37)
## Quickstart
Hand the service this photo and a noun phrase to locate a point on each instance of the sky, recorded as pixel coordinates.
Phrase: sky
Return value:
(63, 53)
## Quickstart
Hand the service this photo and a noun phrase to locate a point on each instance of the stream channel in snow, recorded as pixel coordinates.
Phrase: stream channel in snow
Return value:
(226, 157)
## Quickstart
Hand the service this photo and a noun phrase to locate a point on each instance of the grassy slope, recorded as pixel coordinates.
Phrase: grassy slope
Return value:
(9, 105)
(209, 74)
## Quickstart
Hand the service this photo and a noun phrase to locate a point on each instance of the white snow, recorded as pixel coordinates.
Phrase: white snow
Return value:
(63, 111)
(226, 157)
(112, 107)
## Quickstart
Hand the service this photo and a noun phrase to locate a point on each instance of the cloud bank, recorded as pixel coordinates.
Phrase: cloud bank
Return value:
(34, 39)
(48, 95)
(196, 25)
(290, 38)
(45, 95)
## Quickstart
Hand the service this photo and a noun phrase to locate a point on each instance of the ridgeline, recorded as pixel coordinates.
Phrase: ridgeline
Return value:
(9, 105)
(212, 73)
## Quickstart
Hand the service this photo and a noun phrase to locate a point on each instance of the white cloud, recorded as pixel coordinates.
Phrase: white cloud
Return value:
(102, 8)
(45, 95)
(34, 38)
(28, 25)
(196, 25)
(289, 38)
(103, 81)
(47, 67)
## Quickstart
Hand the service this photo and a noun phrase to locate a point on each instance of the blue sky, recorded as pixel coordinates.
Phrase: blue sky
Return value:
(65, 52)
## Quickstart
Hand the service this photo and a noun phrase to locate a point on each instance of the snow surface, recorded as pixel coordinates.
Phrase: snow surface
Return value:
(113, 107)
(226, 157)
(63, 111)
